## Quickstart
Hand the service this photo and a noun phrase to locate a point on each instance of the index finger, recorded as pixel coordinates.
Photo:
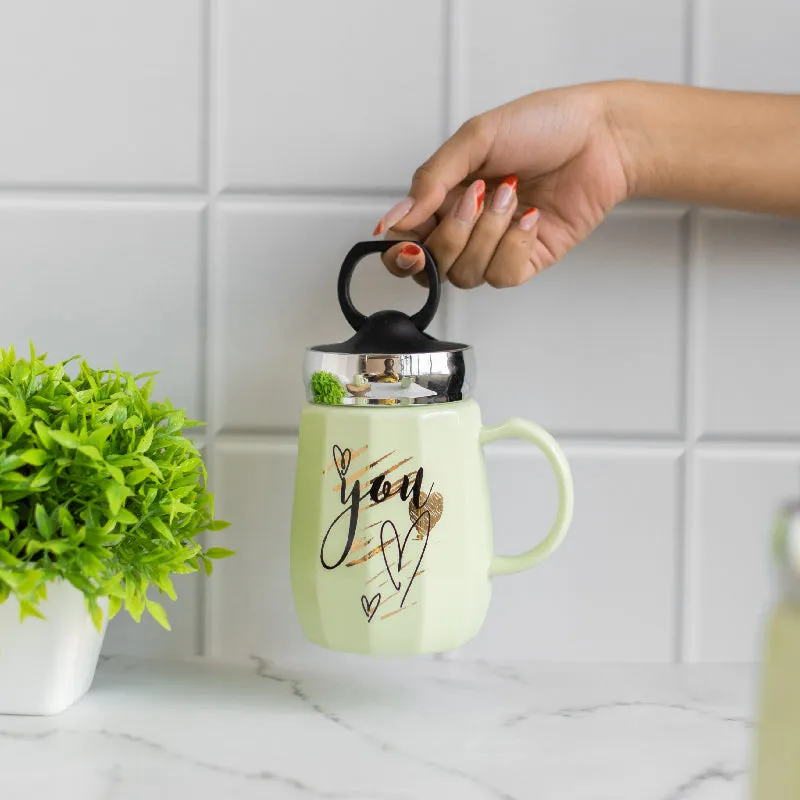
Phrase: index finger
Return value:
(460, 156)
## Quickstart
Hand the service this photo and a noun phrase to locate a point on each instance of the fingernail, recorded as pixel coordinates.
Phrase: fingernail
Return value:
(504, 193)
(407, 257)
(470, 203)
(528, 219)
(394, 215)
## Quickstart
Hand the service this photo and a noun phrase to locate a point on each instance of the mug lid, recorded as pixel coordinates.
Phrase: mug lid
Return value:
(390, 360)
(786, 549)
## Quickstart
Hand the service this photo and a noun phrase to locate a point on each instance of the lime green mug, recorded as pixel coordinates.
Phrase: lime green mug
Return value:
(391, 542)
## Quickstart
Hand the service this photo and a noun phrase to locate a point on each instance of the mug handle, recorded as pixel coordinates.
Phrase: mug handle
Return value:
(522, 429)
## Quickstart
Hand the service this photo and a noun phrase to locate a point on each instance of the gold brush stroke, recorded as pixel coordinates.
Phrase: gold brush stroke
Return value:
(379, 522)
(359, 474)
(369, 554)
(353, 455)
(434, 505)
(360, 544)
(375, 577)
(398, 610)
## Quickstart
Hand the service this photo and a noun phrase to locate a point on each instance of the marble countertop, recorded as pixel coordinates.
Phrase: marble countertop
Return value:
(388, 730)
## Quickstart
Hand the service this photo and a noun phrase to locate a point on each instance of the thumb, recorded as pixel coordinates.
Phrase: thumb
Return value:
(460, 156)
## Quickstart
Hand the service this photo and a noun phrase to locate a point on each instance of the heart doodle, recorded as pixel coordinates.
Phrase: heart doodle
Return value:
(341, 458)
(366, 605)
(433, 503)
(395, 570)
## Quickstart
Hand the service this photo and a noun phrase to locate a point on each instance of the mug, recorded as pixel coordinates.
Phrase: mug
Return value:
(391, 540)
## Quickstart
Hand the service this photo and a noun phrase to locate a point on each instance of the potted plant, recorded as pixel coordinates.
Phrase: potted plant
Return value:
(102, 497)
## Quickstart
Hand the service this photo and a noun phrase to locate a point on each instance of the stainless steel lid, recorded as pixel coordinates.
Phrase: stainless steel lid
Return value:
(786, 548)
(390, 360)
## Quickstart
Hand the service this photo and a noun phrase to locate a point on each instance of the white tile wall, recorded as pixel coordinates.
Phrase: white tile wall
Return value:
(512, 47)
(748, 47)
(736, 495)
(608, 594)
(178, 184)
(317, 97)
(749, 282)
(99, 94)
(109, 281)
(627, 277)
(253, 597)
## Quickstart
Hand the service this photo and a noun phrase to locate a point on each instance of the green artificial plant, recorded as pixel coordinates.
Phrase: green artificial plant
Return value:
(327, 389)
(98, 487)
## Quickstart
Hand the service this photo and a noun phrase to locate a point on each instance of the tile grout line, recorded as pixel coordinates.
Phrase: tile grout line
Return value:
(684, 494)
(689, 544)
(683, 392)
(452, 57)
(167, 196)
(451, 68)
(203, 634)
(689, 33)
(629, 444)
(696, 30)
(686, 544)
(453, 61)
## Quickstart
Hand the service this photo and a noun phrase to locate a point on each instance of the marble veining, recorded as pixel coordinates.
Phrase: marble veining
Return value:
(390, 730)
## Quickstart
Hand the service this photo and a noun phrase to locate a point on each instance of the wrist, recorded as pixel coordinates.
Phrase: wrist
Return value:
(626, 111)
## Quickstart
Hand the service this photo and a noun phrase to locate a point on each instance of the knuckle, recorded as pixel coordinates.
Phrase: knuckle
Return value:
(503, 278)
(477, 128)
(446, 248)
(464, 280)
(424, 174)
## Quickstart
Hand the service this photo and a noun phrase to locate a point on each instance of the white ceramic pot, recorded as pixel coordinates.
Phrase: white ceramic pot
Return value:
(46, 665)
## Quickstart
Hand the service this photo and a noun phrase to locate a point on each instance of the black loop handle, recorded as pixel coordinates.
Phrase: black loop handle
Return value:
(356, 319)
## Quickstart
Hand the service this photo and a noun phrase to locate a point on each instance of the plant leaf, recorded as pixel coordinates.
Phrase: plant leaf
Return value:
(114, 605)
(158, 613)
(44, 435)
(43, 521)
(99, 436)
(65, 439)
(97, 616)
(34, 457)
(18, 408)
(90, 451)
(7, 518)
(116, 474)
(28, 609)
(147, 440)
(219, 552)
(126, 517)
(136, 476)
(116, 495)
(162, 528)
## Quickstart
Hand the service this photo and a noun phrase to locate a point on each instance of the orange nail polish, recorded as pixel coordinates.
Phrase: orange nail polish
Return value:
(481, 193)
(394, 215)
(504, 194)
(529, 219)
(510, 181)
(411, 250)
(469, 205)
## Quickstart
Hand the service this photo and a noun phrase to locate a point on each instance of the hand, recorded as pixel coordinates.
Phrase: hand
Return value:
(512, 191)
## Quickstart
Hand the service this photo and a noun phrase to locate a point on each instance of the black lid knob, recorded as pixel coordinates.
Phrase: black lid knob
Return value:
(388, 331)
